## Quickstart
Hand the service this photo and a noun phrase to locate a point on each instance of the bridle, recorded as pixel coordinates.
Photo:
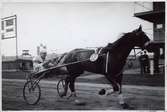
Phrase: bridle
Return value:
(147, 43)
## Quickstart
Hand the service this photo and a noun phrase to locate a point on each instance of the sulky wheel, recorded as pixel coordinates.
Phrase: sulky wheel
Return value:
(31, 93)
(61, 87)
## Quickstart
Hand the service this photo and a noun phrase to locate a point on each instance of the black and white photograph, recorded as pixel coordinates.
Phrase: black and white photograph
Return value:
(82, 55)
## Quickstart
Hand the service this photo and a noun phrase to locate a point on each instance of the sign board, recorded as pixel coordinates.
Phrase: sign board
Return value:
(8, 27)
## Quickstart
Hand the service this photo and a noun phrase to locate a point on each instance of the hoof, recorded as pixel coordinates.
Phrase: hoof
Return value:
(72, 96)
(102, 92)
(78, 102)
(125, 106)
(62, 95)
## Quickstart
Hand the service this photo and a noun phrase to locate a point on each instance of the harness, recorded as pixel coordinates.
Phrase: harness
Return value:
(95, 56)
(106, 70)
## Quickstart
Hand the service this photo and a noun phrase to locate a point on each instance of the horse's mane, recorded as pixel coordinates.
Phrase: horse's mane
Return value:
(119, 41)
(122, 38)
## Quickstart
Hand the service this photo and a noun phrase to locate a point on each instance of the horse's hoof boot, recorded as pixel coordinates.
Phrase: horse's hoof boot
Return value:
(102, 92)
(125, 106)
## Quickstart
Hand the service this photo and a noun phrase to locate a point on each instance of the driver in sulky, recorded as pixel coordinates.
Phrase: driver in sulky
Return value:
(42, 62)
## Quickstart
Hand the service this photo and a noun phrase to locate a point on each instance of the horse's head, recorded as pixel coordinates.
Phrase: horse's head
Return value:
(142, 40)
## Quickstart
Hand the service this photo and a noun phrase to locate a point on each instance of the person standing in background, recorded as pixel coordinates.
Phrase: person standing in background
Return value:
(141, 63)
(146, 62)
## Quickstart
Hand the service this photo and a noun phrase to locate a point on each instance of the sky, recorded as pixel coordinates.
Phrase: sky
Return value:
(66, 26)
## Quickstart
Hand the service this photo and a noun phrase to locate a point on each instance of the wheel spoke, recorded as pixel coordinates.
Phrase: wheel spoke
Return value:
(61, 87)
(31, 93)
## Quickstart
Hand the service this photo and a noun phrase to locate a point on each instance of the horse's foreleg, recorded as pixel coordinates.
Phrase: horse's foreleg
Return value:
(122, 102)
(117, 89)
(116, 86)
(120, 95)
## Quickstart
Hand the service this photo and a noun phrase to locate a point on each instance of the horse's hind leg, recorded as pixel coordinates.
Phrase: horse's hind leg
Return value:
(67, 80)
(72, 84)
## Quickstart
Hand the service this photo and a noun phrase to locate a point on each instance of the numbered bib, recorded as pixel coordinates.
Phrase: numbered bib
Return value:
(94, 57)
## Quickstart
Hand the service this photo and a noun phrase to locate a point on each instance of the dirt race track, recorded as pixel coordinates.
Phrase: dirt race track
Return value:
(138, 97)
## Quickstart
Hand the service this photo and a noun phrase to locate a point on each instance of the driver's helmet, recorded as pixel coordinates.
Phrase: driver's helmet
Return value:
(43, 53)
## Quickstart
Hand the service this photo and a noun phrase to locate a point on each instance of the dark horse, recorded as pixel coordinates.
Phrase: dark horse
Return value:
(117, 55)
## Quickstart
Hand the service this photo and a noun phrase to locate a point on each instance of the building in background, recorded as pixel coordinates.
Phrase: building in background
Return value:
(26, 53)
(11, 63)
(157, 17)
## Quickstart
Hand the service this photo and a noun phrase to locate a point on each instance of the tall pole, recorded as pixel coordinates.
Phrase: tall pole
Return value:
(17, 63)
(16, 37)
